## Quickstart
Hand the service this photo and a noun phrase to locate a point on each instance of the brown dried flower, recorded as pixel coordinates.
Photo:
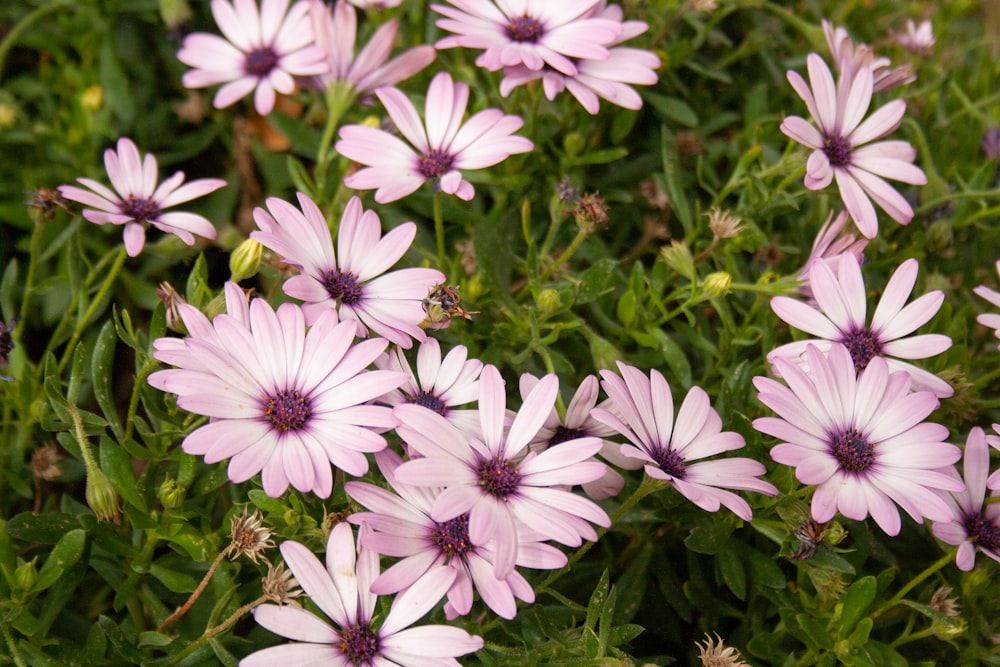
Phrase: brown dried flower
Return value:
(724, 225)
(171, 299)
(43, 463)
(249, 536)
(279, 585)
(717, 654)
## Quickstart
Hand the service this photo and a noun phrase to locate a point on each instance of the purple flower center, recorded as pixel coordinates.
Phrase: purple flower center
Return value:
(359, 644)
(436, 163)
(498, 478)
(260, 62)
(452, 536)
(564, 434)
(863, 345)
(525, 29)
(853, 451)
(140, 210)
(838, 151)
(428, 400)
(982, 531)
(670, 462)
(342, 286)
(287, 410)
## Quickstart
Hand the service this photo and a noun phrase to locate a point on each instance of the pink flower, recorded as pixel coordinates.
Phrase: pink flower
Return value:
(860, 438)
(579, 423)
(443, 147)
(847, 55)
(336, 31)
(976, 524)
(352, 281)
(991, 320)
(841, 318)
(139, 201)
(284, 402)
(670, 451)
(495, 479)
(833, 243)
(263, 50)
(839, 150)
(341, 591)
(606, 78)
(376, 4)
(918, 40)
(401, 526)
(534, 33)
(439, 385)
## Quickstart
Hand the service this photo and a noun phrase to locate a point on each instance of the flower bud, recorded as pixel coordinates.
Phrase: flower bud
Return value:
(174, 13)
(171, 493)
(548, 301)
(8, 116)
(574, 143)
(101, 495)
(92, 98)
(244, 262)
(678, 257)
(717, 284)
(26, 575)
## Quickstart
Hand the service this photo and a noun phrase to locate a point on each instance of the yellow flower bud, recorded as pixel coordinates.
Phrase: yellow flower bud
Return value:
(92, 98)
(101, 495)
(244, 262)
(548, 301)
(717, 284)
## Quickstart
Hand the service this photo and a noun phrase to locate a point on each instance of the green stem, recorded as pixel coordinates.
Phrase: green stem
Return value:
(133, 404)
(931, 569)
(94, 305)
(439, 231)
(221, 627)
(29, 279)
(567, 253)
(183, 609)
(9, 639)
(81, 438)
(338, 98)
(8, 42)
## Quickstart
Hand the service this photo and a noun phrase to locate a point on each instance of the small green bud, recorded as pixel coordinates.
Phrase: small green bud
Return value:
(939, 235)
(174, 13)
(171, 493)
(951, 628)
(8, 116)
(678, 257)
(717, 284)
(92, 98)
(548, 301)
(101, 495)
(244, 262)
(26, 575)
(574, 143)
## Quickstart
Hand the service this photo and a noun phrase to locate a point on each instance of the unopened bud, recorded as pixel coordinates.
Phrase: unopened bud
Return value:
(171, 493)
(26, 575)
(92, 98)
(678, 257)
(244, 262)
(717, 284)
(174, 13)
(8, 116)
(574, 143)
(548, 301)
(950, 628)
(101, 495)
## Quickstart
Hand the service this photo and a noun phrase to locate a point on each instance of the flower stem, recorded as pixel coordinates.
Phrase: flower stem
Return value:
(81, 324)
(9, 639)
(338, 99)
(183, 609)
(931, 569)
(133, 404)
(567, 253)
(221, 627)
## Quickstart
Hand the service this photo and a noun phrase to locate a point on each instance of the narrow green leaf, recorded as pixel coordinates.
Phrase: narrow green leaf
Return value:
(855, 603)
(7, 308)
(672, 181)
(626, 308)
(101, 366)
(124, 646)
(46, 528)
(178, 582)
(66, 552)
(733, 573)
(597, 599)
(116, 463)
(224, 656)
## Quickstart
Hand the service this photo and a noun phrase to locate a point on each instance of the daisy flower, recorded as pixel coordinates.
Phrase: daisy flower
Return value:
(579, 423)
(841, 318)
(284, 402)
(495, 479)
(401, 526)
(918, 40)
(262, 51)
(335, 29)
(833, 242)
(839, 150)
(137, 200)
(353, 281)
(991, 320)
(860, 438)
(643, 412)
(176, 352)
(341, 590)
(439, 385)
(443, 145)
(534, 33)
(847, 55)
(976, 523)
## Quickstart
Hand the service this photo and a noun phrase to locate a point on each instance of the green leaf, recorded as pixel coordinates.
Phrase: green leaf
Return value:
(675, 357)
(197, 291)
(124, 646)
(300, 177)
(815, 632)
(47, 528)
(673, 108)
(709, 537)
(626, 308)
(224, 656)
(733, 573)
(117, 91)
(672, 181)
(602, 156)
(194, 545)
(857, 600)
(266, 503)
(861, 633)
(632, 585)
(76, 374)
(65, 553)
(7, 308)
(155, 639)
(596, 280)
(177, 582)
(116, 463)
(101, 364)
(597, 600)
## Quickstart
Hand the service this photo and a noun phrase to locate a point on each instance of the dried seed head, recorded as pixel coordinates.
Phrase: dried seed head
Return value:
(946, 605)
(279, 585)
(715, 653)
(43, 463)
(248, 536)
(591, 212)
(171, 299)
(724, 225)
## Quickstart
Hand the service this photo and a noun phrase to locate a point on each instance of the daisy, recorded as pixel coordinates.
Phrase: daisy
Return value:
(607, 78)
(991, 320)
(839, 150)
(918, 40)
(847, 55)
(341, 590)
(534, 33)
(976, 524)
(841, 318)
(643, 412)
(353, 281)
(833, 242)
(443, 147)
(335, 29)
(263, 49)
(495, 479)
(176, 352)
(860, 438)
(284, 402)
(401, 526)
(439, 385)
(579, 423)
(139, 201)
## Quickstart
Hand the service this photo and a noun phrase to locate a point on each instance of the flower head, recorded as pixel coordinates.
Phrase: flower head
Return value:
(248, 536)
(335, 29)
(860, 438)
(263, 49)
(534, 33)
(847, 55)
(353, 281)
(833, 243)
(138, 201)
(918, 40)
(440, 145)
(991, 320)
(401, 526)
(839, 150)
(841, 318)
(643, 411)
(341, 590)
(976, 523)
(495, 479)
(715, 653)
(284, 401)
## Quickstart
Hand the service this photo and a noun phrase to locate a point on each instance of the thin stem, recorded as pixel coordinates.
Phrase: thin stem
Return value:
(92, 309)
(29, 279)
(9, 639)
(133, 404)
(81, 438)
(567, 253)
(339, 97)
(221, 627)
(931, 569)
(439, 231)
(183, 609)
